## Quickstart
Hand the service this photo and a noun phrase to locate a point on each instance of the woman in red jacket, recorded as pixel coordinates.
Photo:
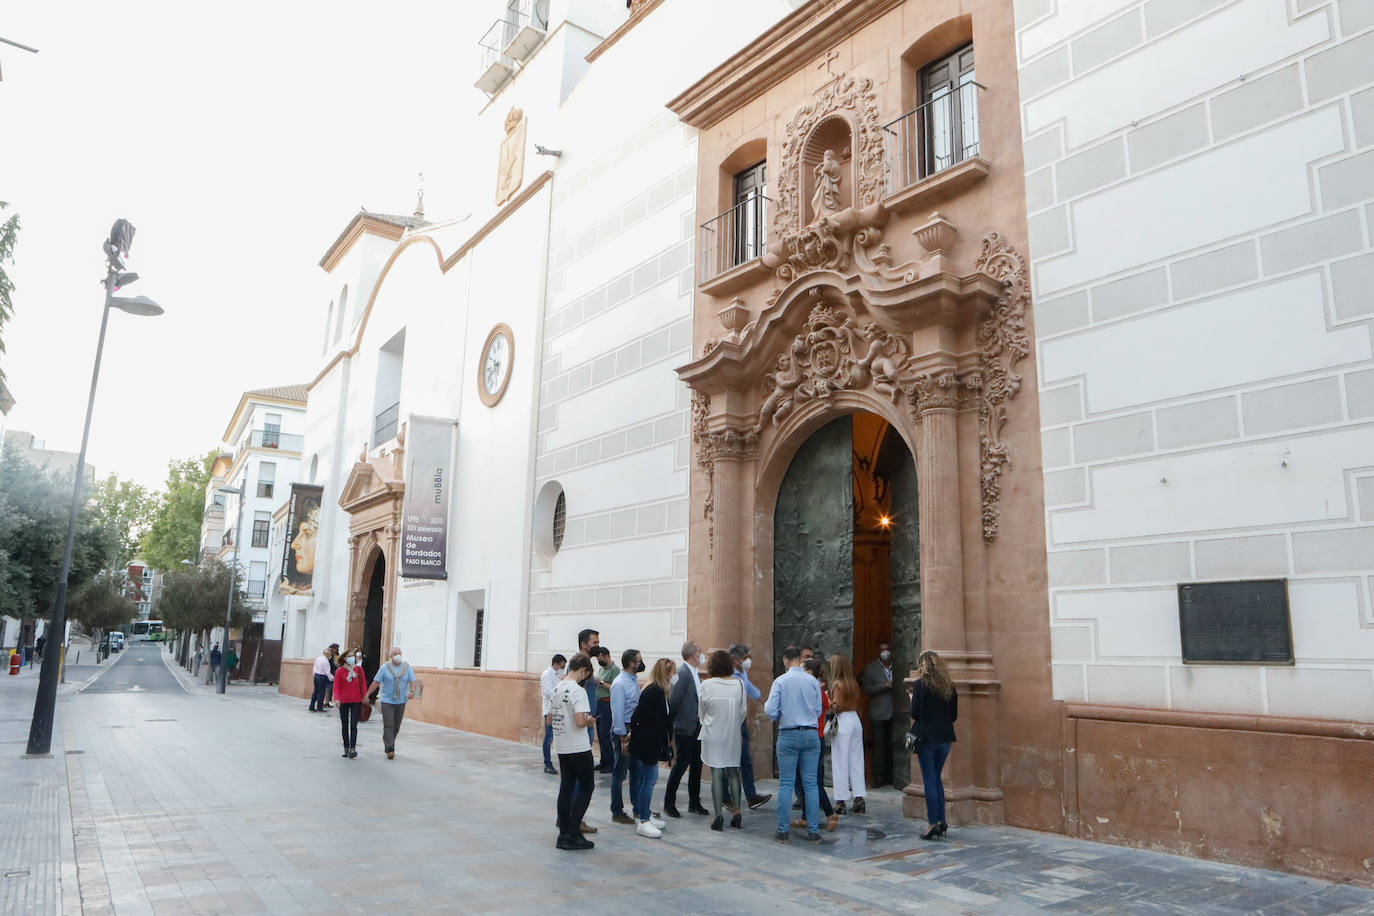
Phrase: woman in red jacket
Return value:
(350, 687)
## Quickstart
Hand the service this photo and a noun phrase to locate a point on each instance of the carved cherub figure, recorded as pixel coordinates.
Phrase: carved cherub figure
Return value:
(779, 401)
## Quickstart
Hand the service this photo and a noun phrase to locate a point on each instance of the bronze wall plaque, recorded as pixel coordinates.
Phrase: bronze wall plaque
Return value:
(1244, 622)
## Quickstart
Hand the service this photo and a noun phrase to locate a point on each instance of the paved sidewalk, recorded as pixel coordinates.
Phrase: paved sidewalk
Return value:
(192, 802)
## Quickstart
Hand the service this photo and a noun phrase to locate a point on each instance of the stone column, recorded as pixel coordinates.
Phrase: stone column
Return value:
(942, 551)
(730, 539)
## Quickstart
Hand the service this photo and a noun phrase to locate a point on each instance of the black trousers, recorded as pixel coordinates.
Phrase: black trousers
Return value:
(348, 721)
(321, 691)
(688, 761)
(882, 751)
(575, 786)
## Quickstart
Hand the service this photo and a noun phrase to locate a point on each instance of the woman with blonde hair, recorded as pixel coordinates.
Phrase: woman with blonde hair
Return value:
(649, 733)
(934, 709)
(847, 749)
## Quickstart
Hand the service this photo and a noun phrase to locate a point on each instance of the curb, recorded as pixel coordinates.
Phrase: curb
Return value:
(177, 672)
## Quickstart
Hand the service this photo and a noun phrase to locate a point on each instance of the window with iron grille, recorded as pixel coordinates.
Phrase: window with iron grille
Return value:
(560, 520)
(477, 640)
(267, 476)
(262, 524)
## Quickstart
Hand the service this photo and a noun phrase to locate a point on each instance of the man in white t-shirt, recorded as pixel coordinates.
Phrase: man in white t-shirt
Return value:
(547, 681)
(570, 713)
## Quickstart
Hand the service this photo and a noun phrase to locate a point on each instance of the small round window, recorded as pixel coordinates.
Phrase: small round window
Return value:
(550, 519)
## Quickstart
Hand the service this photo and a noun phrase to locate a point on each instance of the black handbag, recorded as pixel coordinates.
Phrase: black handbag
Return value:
(665, 753)
(912, 739)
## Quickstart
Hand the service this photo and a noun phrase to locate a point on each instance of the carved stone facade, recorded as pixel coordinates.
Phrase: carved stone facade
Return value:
(510, 170)
(372, 497)
(864, 301)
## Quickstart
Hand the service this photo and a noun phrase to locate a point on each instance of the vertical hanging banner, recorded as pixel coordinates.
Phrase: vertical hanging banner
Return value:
(424, 518)
(302, 529)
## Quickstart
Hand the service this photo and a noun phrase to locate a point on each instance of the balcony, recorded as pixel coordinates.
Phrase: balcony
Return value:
(731, 244)
(384, 427)
(275, 438)
(496, 65)
(529, 20)
(933, 150)
(257, 588)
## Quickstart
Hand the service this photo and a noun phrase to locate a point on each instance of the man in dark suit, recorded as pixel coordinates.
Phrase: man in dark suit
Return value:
(877, 683)
(684, 714)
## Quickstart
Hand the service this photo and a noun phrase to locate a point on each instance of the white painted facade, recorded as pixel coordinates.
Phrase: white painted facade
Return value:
(264, 440)
(1200, 190)
(593, 275)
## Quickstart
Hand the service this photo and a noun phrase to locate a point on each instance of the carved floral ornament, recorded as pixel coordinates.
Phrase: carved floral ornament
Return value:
(833, 352)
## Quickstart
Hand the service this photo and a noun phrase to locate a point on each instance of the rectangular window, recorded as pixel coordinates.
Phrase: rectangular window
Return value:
(262, 524)
(751, 186)
(271, 431)
(1244, 622)
(477, 641)
(257, 579)
(267, 476)
(950, 102)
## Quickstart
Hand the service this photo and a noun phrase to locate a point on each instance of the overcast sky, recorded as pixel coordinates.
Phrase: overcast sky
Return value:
(239, 140)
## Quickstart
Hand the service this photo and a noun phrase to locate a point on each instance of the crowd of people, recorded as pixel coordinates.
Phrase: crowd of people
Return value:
(341, 682)
(695, 714)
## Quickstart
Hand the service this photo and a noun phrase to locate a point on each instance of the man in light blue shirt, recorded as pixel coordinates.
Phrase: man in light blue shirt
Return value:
(395, 684)
(739, 655)
(794, 702)
(624, 700)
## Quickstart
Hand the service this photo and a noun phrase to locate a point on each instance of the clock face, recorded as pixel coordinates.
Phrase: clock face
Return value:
(494, 372)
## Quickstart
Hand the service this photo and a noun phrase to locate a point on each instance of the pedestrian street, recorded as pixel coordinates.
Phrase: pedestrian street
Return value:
(170, 798)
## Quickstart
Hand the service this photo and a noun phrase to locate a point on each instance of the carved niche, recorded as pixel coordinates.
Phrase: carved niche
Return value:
(510, 171)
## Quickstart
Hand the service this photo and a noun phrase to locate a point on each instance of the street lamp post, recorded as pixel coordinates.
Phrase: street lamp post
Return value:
(116, 249)
(233, 577)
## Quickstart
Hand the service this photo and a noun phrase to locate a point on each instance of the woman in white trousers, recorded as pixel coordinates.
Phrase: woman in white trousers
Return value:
(847, 750)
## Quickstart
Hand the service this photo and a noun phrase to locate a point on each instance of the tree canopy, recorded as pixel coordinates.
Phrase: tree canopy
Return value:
(194, 597)
(173, 533)
(34, 507)
(9, 235)
(126, 509)
(100, 604)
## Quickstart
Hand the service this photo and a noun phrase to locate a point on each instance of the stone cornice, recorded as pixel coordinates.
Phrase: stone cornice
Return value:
(782, 50)
(352, 232)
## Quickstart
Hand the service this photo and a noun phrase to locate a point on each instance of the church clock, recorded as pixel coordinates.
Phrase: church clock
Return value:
(493, 368)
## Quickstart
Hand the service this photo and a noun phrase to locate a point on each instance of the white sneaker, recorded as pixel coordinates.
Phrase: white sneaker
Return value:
(657, 822)
(649, 830)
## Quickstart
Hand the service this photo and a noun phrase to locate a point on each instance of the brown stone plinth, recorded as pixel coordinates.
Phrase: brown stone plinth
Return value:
(1256, 790)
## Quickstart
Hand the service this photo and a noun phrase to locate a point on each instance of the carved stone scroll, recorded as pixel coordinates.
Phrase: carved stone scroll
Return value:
(729, 443)
(1002, 343)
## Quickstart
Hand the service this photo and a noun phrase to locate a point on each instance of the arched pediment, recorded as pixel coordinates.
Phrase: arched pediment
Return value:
(368, 485)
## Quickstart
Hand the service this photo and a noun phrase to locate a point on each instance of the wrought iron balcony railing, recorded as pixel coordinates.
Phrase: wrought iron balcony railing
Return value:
(735, 237)
(932, 137)
(496, 65)
(275, 438)
(531, 21)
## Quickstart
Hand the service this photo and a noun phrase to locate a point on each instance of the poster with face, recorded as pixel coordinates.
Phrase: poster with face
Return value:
(302, 533)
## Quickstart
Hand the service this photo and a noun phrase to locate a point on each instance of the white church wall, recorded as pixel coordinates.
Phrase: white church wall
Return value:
(1199, 191)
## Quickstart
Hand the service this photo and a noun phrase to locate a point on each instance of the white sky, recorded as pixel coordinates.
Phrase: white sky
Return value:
(239, 140)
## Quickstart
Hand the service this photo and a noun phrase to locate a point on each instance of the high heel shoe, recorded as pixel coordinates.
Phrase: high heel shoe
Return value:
(944, 828)
(839, 808)
(933, 833)
(859, 807)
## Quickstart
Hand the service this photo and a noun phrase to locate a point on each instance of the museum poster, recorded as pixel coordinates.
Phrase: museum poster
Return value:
(302, 534)
(424, 518)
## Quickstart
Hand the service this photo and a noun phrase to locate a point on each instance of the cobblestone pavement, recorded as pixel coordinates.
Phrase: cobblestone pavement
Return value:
(183, 801)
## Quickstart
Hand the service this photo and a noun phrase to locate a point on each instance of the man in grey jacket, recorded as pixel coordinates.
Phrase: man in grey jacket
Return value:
(684, 716)
(877, 683)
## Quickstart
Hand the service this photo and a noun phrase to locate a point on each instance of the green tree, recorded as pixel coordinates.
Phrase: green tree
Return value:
(100, 606)
(173, 534)
(9, 235)
(126, 510)
(193, 598)
(34, 507)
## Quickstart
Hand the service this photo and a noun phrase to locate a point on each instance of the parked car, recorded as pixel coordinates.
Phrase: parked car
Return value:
(112, 642)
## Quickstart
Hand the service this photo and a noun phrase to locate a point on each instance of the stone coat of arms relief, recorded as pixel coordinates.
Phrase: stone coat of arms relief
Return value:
(510, 169)
(841, 250)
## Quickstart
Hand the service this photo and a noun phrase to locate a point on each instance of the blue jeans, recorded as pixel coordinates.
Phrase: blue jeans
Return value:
(932, 759)
(798, 747)
(746, 764)
(623, 765)
(548, 744)
(317, 698)
(643, 777)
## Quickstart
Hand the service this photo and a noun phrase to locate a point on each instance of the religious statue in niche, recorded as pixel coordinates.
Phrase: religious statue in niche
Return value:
(510, 172)
(826, 200)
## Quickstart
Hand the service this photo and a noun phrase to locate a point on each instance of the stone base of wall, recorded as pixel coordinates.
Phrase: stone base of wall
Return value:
(502, 704)
(1253, 790)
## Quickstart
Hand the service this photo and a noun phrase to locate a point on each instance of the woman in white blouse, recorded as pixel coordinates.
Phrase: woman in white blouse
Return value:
(722, 708)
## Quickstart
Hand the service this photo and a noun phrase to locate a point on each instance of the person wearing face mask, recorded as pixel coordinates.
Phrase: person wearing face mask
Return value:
(877, 683)
(683, 710)
(739, 655)
(571, 713)
(350, 686)
(547, 681)
(624, 698)
(605, 676)
(395, 684)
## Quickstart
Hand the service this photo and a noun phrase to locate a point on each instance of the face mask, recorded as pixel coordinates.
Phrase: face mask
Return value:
(396, 659)
(601, 662)
(885, 655)
(349, 661)
(748, 663)
(701, 659)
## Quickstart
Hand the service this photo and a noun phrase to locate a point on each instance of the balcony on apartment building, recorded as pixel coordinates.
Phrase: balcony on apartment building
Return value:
(275, 438)
(736, 237)
(933, 150)
(510, 42)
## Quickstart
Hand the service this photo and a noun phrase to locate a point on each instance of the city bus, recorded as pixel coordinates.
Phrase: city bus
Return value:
(146, 629)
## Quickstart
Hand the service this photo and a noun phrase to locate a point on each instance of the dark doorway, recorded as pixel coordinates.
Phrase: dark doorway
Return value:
(846, 554)
(372, 618)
